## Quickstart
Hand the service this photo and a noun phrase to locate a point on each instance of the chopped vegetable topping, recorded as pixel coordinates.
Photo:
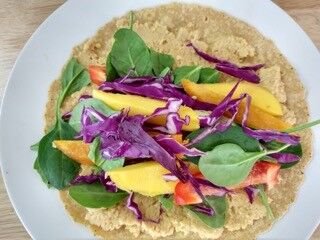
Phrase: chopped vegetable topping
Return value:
(154, 87)
(125, 150)
(132, 206)
(246, 73)
(100, 177)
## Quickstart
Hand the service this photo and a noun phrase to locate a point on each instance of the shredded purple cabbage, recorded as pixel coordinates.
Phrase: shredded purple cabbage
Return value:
(251, 193)
(237, 72)
(222, 190)
(174, 122)
(156, 88)
(100, 177)
(285, 157)
(83, 97)
(132, 206)
(245, 73)
(188, 177)
(169, 177)
(123, 136)
(266, 135)
(203, 209)
(173, 147)
(66, 116)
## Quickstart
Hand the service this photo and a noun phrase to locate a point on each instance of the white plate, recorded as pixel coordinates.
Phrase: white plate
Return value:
(41, 61)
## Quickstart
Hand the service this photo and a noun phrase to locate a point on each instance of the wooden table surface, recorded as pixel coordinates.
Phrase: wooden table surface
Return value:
(19, 19)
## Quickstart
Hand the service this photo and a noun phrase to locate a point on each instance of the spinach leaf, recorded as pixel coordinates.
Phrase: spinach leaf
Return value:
(75, 120)
(228, 164)
(160, 61)
(234, 135)
(74, 78)
(110, 70)
(95, 155)
(166, 202)
(294, 149)
(191, 73)
(265, 202)
(219, 204)
(53, 165)
(55, 168)
(40, 172)
(209, 75)
(34, 147)
(95, 196)
(129, 52)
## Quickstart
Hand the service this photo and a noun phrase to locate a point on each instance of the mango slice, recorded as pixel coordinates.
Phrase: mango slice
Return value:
(257, 118)
(260, 96)
(145, 178)
(145, 106)
(76, 150)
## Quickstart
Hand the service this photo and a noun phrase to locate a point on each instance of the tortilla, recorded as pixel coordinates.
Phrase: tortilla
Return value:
(167, 28)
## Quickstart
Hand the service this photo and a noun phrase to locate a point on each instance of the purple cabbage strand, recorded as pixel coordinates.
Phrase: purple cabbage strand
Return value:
(244, 73)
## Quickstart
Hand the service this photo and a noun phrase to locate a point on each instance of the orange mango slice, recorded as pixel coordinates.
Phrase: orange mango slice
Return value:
(257, 118)
(145, 106)
(76, 150)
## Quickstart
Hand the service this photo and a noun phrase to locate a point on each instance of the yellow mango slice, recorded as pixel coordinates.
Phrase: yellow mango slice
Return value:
(145, 106)
(145, 178)
(76, 150)
(260, 96)
(257, 118)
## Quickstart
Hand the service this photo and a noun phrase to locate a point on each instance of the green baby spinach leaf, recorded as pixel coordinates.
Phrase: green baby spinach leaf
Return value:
(95, 196)
(55, 168)
(191, 73)
(74, 78)
(265, 202)
(219, 204)
(234, 135)
(40, 172)
(166, 201)
(129, 52)
(160, 61)
(96, 157)
(209, 75)
(75, 120)
(228, 164)
(110, 70)
(34, 147)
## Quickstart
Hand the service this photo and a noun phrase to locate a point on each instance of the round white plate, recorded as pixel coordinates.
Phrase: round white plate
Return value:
(41, 61)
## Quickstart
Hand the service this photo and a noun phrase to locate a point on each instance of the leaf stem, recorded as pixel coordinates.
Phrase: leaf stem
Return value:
(278, 150)
(264, 200)
(303, 126)
(131, 19)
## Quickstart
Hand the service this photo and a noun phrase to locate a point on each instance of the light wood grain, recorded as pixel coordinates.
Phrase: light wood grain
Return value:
(19, 19)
